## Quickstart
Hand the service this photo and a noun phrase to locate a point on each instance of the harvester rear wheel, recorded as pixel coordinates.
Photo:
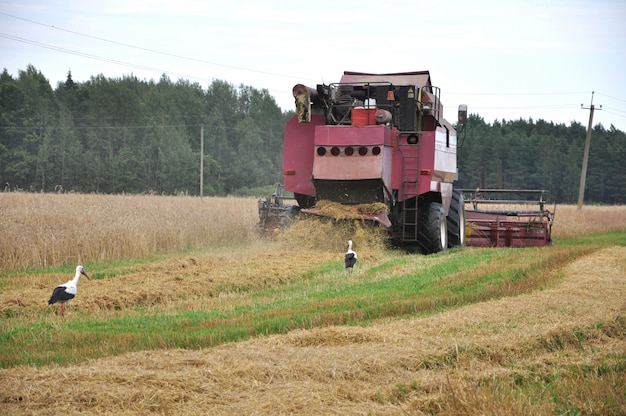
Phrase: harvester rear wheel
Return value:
(456, 220)
(433, 230)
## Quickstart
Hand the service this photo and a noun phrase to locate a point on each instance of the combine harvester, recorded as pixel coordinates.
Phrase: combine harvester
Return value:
(374, 147)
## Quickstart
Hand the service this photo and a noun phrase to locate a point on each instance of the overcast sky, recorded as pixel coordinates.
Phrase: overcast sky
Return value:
(505, 59)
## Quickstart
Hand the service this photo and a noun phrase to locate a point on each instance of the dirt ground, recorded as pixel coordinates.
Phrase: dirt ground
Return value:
(411, 366)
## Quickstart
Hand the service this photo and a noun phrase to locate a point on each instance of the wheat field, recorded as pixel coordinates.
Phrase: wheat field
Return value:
(51, 230)
(493, 357)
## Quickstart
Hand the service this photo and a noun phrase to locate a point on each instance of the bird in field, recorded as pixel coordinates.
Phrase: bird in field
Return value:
(350, 257)
(66, 292)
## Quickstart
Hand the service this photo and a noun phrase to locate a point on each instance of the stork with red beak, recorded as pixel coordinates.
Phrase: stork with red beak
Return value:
(66, 292)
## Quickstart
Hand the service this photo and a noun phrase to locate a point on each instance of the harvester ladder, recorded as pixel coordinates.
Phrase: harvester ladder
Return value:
(410, 175)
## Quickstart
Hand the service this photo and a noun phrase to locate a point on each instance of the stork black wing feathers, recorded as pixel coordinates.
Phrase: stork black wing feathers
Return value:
(350, 259)
(60, 295)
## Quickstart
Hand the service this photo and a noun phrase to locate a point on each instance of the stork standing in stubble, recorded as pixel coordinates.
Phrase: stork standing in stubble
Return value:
(66, 292)
(350, 257)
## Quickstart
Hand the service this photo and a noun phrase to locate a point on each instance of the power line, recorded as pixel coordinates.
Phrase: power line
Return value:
(231, 66)
(148, 50)
(113, 61)
(182, 75)
(615, 109)
(129, 127)
(506, 94)
(225, 65)
(87, 55)
(608, 110)
(183, 121)
(517, 93)
(613, 98)
(532, 107)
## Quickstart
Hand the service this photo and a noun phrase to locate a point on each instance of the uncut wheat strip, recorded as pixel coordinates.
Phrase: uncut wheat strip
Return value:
(570, 221)
(52, 230)
(347, 367)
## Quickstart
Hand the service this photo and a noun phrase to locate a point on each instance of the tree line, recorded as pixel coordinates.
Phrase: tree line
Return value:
(135, 136)
(114, 135)
(524, 154)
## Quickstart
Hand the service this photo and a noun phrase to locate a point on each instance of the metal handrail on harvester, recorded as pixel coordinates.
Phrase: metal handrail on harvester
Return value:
(485, 196)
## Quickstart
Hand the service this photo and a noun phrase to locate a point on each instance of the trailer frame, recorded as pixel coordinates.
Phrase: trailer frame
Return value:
(504, 218)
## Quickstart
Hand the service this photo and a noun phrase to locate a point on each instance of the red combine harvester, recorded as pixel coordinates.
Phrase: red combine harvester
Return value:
(376, 147)
(377, 143)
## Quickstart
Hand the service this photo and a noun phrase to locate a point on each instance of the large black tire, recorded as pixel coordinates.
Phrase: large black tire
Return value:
(456, 220)
(432, 231)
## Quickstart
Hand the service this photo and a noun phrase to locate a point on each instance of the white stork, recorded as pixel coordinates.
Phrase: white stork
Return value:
(350, 257)
(66, 292)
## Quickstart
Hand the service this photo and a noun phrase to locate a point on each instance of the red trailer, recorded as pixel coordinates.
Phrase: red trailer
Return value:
(507, 218)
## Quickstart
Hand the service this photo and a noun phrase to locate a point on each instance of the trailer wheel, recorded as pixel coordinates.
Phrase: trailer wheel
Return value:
(433, 233)
(456, 220)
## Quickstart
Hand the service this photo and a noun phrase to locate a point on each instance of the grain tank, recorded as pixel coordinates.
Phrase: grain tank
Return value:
(377, 147)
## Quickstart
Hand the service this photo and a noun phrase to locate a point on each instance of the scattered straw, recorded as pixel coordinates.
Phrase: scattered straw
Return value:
(343, 211)
(327, 234)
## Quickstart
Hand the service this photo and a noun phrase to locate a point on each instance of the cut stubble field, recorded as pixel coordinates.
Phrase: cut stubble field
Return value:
(242, 325)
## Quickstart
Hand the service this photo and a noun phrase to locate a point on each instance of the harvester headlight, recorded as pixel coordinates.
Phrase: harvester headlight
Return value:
(412, 139)
(335, 151)
(349, 151)
(362, 150)
(321, 151)
(375, 150)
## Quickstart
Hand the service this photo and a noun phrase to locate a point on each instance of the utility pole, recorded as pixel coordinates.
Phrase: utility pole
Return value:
(583, 172)
(201, 159)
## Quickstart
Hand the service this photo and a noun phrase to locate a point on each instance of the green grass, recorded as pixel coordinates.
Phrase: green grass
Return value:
(318, 297)
(613, 238)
